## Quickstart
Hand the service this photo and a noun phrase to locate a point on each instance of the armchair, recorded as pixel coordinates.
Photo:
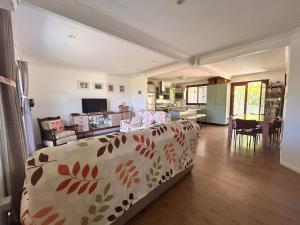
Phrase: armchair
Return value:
(54, 132)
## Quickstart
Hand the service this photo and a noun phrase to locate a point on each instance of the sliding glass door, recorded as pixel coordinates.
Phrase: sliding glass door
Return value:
(239, 96)
(248, 97)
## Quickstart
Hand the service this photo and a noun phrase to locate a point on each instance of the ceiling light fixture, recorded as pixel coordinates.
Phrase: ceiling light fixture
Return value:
(180, 2)
(71, 36)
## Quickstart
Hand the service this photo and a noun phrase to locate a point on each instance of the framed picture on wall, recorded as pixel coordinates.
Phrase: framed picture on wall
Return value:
(84, 85)
(110, 88)
(98, 86)
(122, 88)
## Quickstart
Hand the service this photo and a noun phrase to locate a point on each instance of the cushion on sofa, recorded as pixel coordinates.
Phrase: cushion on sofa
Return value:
(162, 117)
(145, 119)
(139, 114)
(148, 119)
(66, 140)
(63, 134)
(57, 125)
(60, 141)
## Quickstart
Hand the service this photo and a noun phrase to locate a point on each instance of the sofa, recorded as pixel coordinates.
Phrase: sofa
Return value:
(96, 180)
(144, 119)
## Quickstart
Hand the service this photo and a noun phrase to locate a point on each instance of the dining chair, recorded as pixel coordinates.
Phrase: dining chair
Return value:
(249, 128)
(275, 130)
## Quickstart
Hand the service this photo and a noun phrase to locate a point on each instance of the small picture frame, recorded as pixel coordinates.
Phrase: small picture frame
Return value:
(84, 85)
(122, 88)
(98, 86)
(110, 88)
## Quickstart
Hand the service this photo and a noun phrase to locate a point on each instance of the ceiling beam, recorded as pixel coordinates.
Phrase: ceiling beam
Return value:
(204, 61)
(241, 50)
(213, 71)
(98, 20)
(167, 69)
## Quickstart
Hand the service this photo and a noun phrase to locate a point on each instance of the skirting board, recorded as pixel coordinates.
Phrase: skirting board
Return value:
(295, 169)
(150, 197)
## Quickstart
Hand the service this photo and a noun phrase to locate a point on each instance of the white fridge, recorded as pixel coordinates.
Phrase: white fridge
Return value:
(151, 101)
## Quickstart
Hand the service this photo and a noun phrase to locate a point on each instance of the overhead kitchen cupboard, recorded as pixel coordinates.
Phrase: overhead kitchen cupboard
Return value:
(151, 88)
(217, 106)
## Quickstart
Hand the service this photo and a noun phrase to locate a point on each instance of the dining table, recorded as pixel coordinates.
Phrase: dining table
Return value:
(264, 120)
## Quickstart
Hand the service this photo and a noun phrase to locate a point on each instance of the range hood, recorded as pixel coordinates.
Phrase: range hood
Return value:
(164, 89)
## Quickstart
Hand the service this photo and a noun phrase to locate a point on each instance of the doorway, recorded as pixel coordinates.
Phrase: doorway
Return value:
(248, 97)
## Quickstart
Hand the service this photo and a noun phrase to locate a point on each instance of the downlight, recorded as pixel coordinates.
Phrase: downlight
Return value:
(180, 2)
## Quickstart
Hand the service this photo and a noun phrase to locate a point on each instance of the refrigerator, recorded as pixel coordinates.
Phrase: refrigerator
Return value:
(151, 100)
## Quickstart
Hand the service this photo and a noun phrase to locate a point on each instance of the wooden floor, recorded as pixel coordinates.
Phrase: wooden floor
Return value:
(228, 187)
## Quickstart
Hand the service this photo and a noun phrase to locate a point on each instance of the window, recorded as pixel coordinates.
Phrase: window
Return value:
(248, 97)
(196, 95)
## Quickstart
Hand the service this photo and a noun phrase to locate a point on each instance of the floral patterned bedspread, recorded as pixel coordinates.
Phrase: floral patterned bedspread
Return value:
(95, 180)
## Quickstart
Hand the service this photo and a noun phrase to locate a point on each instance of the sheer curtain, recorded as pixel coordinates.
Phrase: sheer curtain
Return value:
(22, 87)
(4, 183)
(13, 144)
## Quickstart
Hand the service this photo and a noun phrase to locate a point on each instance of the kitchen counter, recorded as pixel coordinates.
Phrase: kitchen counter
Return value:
(177, 112)
(178, 109)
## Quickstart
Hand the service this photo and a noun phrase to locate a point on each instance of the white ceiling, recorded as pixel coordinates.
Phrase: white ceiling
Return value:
(156, 32)
(43, 37)
(269, 60)
(201, 26)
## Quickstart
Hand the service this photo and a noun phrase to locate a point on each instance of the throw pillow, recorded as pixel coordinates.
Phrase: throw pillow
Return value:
(148, 119)
(57, 125)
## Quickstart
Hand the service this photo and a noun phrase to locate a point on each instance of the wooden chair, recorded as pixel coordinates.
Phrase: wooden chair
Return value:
(247, 128)
(52, 137)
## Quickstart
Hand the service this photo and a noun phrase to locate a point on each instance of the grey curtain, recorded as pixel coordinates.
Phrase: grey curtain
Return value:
(22, 87)
(15, 138)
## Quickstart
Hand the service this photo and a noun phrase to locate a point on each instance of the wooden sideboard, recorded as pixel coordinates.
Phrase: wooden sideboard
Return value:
(99, 121)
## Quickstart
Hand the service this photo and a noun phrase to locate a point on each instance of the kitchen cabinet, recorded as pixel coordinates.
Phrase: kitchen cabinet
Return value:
(82, 122)
(116, 119)
(179, 90)
(217, 104)
(151, 88)
(151, 101)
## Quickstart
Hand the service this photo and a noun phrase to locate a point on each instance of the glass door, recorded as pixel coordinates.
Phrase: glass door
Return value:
(255, 97)
(248, 97)
(239, 96)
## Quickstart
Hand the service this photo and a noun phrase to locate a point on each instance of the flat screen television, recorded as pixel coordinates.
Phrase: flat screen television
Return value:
(92, 105)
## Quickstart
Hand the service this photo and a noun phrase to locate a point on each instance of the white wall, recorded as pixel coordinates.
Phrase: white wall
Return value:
(290, 150)
(139, 84)
(56, 93)
(272, 76)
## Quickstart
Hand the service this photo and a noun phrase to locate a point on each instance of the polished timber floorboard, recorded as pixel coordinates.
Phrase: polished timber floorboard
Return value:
(228, 187)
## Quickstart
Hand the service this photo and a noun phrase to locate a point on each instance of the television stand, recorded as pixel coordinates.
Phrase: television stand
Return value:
(95, 122)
